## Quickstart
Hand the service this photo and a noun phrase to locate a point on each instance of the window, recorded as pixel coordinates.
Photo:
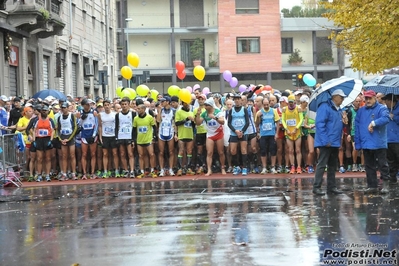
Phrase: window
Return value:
(185, 52)
(247, 6)
(286, 45)
(248, 45)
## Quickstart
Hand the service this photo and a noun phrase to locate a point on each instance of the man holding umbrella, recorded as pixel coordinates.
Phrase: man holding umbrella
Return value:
(371, 136)
(329, 126)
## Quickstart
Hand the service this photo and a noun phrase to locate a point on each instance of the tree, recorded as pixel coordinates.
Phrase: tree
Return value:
(368, 31)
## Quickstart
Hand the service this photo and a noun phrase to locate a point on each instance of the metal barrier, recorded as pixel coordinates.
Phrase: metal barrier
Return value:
(12, 158)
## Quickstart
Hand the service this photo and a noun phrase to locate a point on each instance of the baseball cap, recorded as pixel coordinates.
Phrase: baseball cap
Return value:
(298, 92)
(341, 93)
(45, 107)
(304, 98)
(236, 96)
(64, 105)
(284, 99)
(203, 96)
(17, 99)
(56, 106)
(99, 104)
(174, 99)
(166, 98)
(369, 94)
(4, 98)
(210, 102)
(291, 98)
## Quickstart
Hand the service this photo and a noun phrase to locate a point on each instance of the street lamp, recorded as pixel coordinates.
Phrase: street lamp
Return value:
(127, 20)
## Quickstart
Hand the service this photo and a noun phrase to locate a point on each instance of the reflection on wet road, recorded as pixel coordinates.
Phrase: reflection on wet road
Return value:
(237, 222)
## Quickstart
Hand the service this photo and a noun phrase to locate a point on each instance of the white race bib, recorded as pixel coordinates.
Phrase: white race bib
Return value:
(109, 130)
(87, 126)
(267, 126)
(187, 124)
(238, 123)
(43, 132)
(143, 129)
(291, 122)
(66, 131)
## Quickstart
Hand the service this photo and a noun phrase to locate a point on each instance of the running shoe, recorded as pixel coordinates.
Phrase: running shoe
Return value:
(190, 172)
(93, 176)
(48, 179)
(171, 173)
(310, 169)
(264, 171)
(179, 172)
(236, 170)
(153, 174)
(244, 171)
(131, 175)
(292, 171)
(299, 170)
(39, 178)
(273, 170)
(84, 177)
(354, 168)
(117, 174)
(362, 169)
(162, 173)
(349, 168)
(200, 170)
(141, 175)
(342, 169)
(287, 169)
(125, 173)
(31, 179)
(229, 170)
(279, 169)
(74, 177)
(256, 169)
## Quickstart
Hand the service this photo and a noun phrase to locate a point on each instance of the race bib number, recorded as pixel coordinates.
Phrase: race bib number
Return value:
(238, 123)
(291, 122)
(187, 124)
(165, 128)
(109, 130)
(66, 131)
(143, 129)
(212, 123)
(43, 132)
(267, 126)
(87, 126)
(125, 130)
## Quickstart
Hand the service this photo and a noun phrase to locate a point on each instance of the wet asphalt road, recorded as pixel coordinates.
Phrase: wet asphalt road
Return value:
(193, 222)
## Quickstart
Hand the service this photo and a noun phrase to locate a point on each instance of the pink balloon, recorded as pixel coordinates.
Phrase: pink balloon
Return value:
(196, 86)
(189, 89)
(233, 82)
(242, 88)
(205, 90)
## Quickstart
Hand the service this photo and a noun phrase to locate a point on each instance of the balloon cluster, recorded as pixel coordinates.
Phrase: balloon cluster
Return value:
(134, 60)
(228, 76)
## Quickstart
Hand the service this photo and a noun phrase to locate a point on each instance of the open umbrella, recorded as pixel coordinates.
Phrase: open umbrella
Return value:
(50, 92)
(351, 87)
(386, 84)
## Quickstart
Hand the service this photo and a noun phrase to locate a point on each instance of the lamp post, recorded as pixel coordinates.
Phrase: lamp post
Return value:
(127, 20)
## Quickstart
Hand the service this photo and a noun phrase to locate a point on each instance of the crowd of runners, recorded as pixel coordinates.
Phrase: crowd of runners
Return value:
(256, 132)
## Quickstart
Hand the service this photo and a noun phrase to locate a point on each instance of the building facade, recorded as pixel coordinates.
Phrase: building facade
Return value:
(247, 37)
(57, 44)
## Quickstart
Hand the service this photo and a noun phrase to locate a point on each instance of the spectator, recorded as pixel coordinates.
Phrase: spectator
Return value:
(393, 136)
(371, 136)
(329, 126)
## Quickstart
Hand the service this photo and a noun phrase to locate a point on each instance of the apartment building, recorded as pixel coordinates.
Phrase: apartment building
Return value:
(247, 37)
(57, 44)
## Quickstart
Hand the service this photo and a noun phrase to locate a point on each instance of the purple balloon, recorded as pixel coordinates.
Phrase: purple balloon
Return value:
(189, 89)
(242, 88)
(227, 75)
(233, 82)
(205, 90)
(196, 86)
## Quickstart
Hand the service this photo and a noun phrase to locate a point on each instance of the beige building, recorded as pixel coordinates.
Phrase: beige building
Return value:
(57, 44)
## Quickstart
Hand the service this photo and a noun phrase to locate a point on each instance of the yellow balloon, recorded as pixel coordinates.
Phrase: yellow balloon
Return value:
(185, 96)
(154, 94)
(173, 90)
(118, 91)
(199, 72)
(142, 90)
(133, 59)
(126, 72)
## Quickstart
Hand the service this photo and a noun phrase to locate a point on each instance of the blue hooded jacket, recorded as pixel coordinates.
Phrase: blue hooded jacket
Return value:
(378, 139)
(329, 125)
(393, 125)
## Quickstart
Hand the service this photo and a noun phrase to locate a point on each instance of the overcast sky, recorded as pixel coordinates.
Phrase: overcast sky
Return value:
(289, 3)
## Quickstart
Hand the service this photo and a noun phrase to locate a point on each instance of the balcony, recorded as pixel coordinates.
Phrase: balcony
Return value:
(37, 17)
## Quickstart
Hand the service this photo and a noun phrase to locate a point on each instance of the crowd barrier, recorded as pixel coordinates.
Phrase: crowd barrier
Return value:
(12, 159)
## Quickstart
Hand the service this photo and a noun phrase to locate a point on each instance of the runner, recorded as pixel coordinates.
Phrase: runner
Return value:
(89, 127)
(66, 128)
(214, 120)
(200, 136)
(166, 135)
(106, 133)
(124, 137)
(238, 121)
(144, 130)
(43, 133)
